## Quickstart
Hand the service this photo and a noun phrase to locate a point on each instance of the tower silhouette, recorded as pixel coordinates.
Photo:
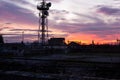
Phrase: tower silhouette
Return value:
(43, 7)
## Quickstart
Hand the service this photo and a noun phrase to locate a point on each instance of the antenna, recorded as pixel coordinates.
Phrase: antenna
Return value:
(43, 7)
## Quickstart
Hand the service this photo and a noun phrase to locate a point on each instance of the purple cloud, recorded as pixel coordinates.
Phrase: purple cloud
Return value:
(95, 24)
(108, 10)
(100, 29)
(13, 13)
(31, 30)
(2, 28)
(56, 1)
(58, 14)
(18, 37)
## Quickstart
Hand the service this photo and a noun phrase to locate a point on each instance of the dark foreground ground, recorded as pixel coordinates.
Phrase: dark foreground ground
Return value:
(60, 68)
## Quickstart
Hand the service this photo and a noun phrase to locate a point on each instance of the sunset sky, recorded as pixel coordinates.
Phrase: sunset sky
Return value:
(76, 20)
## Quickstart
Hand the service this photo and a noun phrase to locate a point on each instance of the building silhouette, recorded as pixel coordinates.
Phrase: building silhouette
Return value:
(1, 39)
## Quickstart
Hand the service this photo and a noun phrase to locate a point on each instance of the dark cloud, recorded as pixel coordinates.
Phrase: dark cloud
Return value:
(108, 10)
(18, 37)
(58, 14)
(31, 30)
(94, 18)
(2, 28)
(54, 11)
(23, 30)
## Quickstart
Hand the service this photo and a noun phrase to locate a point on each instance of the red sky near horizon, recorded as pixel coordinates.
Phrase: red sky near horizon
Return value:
(76, 20)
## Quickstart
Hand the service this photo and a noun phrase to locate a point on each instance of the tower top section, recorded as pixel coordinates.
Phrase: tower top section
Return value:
(43, 6)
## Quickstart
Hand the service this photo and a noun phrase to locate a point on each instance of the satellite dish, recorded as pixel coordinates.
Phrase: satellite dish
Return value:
(48, 4)
(46, 13)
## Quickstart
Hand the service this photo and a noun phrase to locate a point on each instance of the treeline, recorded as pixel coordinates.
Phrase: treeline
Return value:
(106, 48)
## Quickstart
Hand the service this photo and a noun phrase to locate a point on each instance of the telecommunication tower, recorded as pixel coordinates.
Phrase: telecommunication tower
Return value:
(43, 8)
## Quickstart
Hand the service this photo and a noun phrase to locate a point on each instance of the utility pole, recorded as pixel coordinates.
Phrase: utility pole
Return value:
(22, 36)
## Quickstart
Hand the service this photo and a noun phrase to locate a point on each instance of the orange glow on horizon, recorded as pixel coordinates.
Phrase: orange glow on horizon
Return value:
(76, 37)
(87, 39)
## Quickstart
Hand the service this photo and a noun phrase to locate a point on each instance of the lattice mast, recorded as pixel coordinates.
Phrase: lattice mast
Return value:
(43, 8)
